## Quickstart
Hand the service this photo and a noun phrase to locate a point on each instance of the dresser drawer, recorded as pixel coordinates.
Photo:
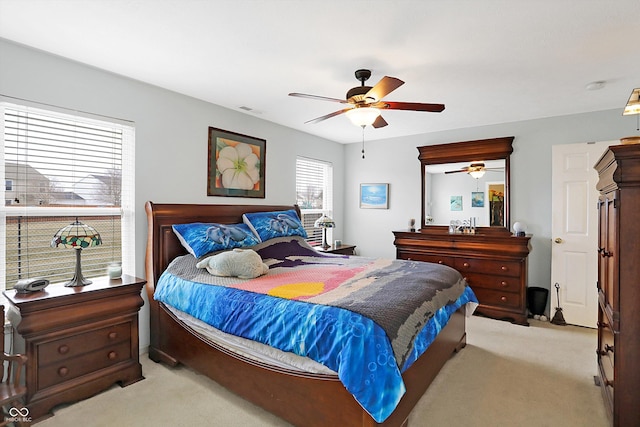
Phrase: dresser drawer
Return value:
(493, 298)
(73, 367)
(485, 266)
(498, 283)
(436, 259)
(606, 353)
(75, 345)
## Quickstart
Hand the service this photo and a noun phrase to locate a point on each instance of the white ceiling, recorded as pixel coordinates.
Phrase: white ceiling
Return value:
(488, 61)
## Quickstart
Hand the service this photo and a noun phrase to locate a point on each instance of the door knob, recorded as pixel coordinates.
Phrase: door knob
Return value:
(558, 240)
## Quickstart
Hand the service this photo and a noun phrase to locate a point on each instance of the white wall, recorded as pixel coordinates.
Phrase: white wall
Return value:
(395, 161)
(171, 135)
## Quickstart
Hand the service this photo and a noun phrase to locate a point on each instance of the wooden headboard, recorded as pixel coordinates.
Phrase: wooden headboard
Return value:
(163, 245)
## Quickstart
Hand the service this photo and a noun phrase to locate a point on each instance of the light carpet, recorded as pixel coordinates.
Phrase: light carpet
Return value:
(508, 375)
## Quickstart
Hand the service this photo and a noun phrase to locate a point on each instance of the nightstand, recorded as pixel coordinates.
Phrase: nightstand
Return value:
(341, 249)
(79, 340)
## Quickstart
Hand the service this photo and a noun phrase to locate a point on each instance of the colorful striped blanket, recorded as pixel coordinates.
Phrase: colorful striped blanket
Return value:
(367, 319)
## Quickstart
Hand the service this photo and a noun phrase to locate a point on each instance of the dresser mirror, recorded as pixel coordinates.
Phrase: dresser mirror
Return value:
(466, 182)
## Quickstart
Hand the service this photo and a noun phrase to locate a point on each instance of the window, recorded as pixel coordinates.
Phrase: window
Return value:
(314, 195)
(64, 167)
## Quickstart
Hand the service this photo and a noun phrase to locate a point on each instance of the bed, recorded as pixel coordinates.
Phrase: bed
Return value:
(299, 396)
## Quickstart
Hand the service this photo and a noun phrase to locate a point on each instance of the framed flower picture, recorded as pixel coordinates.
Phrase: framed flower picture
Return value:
(236, 165)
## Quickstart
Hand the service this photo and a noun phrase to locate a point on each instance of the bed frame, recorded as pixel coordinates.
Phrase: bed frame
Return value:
(299, 398)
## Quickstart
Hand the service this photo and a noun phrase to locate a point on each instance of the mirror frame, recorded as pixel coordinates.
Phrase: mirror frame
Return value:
(468, 151)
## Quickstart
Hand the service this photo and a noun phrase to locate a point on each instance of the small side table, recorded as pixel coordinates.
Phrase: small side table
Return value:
(341, 249)
(79, 340)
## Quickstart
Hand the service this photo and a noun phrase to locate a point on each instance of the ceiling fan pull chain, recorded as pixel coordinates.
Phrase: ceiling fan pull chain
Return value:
(363, 141)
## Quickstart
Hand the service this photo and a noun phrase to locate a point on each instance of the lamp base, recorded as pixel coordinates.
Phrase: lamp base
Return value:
(325, 245)
(78, 279)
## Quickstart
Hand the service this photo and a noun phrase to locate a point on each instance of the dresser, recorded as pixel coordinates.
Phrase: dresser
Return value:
(78, 340)
(493, 261)
(618, 350)
(494, 265)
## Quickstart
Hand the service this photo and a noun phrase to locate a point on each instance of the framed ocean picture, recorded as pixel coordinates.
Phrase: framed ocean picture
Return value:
(456, 203)
(374, 196)
(477, 199)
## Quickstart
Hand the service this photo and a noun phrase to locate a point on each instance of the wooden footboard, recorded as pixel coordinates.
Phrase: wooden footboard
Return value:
(301, 399)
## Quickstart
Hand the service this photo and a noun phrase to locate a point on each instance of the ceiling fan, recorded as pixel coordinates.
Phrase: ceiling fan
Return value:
(365, 102)
(476, 170)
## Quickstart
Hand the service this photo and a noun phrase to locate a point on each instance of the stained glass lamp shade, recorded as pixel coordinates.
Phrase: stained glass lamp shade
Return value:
(324, 222)
(77, 236)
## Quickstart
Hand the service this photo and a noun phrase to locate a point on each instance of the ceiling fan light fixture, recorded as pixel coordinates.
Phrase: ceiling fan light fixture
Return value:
(477, 174)
(633, 105)
(363, 116)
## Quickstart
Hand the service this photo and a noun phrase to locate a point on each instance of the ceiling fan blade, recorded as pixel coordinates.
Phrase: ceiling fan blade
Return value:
(317, 97)
(383, 88)
(379, 122)
(461, 170)
(328, 116)
(414, 106)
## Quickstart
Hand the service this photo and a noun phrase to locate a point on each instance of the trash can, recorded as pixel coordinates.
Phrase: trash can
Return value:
(537, 300)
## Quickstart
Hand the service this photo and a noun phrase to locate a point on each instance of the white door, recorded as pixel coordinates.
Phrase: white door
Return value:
(574, 227)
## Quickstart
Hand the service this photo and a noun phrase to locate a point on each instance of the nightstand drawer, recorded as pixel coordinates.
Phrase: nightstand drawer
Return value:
(73, 367)
(75, 345)
(479, 265)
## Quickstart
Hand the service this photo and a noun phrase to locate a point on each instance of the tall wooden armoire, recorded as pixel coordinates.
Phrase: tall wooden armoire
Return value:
(618, 351)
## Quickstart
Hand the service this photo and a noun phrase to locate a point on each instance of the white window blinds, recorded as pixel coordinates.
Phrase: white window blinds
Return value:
(59, 167)
(314, 194)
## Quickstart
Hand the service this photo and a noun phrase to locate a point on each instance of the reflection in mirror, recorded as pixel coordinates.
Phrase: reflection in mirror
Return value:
(453, 194)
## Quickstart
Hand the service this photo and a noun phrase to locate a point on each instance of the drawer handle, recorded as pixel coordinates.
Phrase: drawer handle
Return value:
(503, 298)
(63, 349)
(504, 268)
(63, 371)
(113, 335)
(112, 355)
(504, 284)
(440, 262)
(466, 265)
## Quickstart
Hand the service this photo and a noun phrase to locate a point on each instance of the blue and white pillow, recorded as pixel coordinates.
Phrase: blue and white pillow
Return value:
(203, 238)
(267, 225)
